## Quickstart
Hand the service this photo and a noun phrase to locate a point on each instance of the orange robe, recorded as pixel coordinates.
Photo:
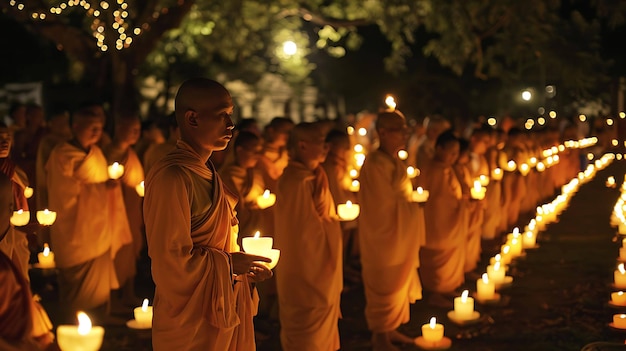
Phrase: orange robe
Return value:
(91, 224)
(190, 225)
(271, 164)
(13, 242)
(126, 258)
(475, 216)
(443, 256)
(309, 274)
(337, 173)
(493, 199)
(155, 153)
(391, 230)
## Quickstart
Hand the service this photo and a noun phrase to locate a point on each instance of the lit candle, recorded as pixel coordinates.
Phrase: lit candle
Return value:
(511, 166)
(464, 306)
(516, 246)
(619, 321)
(28, 192)
(83, 337)
(432, 332)
(266, 200)
(257, 245)
(620, 276)
(46, 217)
(353, 173)
(359, 159)
(485, 288)
(403, 155)
(483, 179)
(354, 186)
(348, 211)
(141, 189)
(46, 257)
(274, 255)
(524, 169)
(20, 218)
(116, 170)
(610, 182)
(420, 195)
(358, 148)
(540, 167)
(412, 172)
(529, 240)
(390, 102)
(618, 298)
(143, 315)
(496, 174)
(477, 192)
(496, 273)
(506, 254)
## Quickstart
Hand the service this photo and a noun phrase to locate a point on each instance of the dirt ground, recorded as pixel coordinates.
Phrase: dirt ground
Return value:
(557, 301)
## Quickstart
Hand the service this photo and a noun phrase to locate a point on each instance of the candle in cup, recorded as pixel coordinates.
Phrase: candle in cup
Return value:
(348, 211)
(420, 195)
(477, 192)
(496, 174)
(143, 314)
(266, 200)
(619, 321)
(83, 337)
(464, 306)
(618, 298)
(412, 172)
(46, 217)
(483, 179)
(141, 189)
(403, 155)
(485, 288)
(116, 170)
(257, 245)
(620, 276)
(354, 186)
(28, 192)
(20, 218)
(46, 257)
(496, 273)
(432, 332)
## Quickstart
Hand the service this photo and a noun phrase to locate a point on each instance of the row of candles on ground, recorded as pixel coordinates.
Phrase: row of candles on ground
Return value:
(618, 298)
(495, 278)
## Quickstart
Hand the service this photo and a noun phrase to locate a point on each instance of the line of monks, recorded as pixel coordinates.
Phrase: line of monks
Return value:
(400, 246)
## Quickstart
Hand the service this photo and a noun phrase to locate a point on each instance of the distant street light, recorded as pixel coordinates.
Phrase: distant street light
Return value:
(526, 95)
(290, 48)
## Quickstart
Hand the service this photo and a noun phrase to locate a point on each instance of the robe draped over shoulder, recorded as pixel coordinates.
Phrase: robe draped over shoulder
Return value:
(248, 184)
(309, 274)
(391, 230)
(189, 223)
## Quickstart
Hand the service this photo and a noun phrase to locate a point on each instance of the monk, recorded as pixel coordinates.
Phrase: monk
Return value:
(514, 184)
(120, 150)
(426, 151)
(493, 198)
(191, 231)
(309, 276)
(158, 151)
(443, 256)
(91, 225)
(391, 232)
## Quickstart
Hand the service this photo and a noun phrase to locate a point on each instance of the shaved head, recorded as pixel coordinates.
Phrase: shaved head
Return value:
(305, 131)
(390, 119)
(197, 94)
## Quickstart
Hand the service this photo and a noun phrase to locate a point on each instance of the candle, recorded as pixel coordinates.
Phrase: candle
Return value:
(358, 148)
(620, 276)
(266, 200)
(420, 195)
(257, 245)
(412, 172)
(83, 337)
(496, 273)
(511, 166)
(524, 169)
(496, 174)
(116, 170)
(143, 315)
(622, 253)
(28, 192)
(274, 255)
(354, 186)
(618, 298)
(141, 189)
(506, 254)
(485, 288)
(619, 321)
(46, 257)
(20, 218)
(483, 179)
(390, 102)
(516, 246)
(432, 332)
(359, 159)
(403, 155)
(353, 173)
(540, 167)
(529, 240)
(348, 211)
(477, 191)
(46, 217)
(610, 182)
(464, 306)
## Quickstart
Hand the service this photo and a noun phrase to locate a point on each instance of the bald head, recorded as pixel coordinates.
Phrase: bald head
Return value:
(305, 131)
(198, 94)
(390, 119)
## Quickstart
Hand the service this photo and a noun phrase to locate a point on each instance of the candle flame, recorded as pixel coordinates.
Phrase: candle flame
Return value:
(511, 164)
(497, 171)
(516, 230)
(506, 249)
(620, 293)
(46, 250)
(362, 131)
(621, 268)
(529, 234)
(403, 154)
(464, 296)
(84, 323)
(497, 257)
(115, 164)
(485, 278)
(358, 148)
(496, 266)
(477, 185)
(355, 183)
(257, 234)
(348, 203)
(412, 171)
(420, 190)
(350, 130)
(144, 305)
(622, 316)
(266, 194)
(433, 323)
(514, 240)
(20, 211)
(390, 102)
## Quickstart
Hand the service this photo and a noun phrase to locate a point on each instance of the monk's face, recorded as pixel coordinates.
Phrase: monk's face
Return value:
(128, 132)
(394, 135)
(248, 155)
(448, 153)
(5, 142)
(213, 126)
(88, 130)
(313, 147)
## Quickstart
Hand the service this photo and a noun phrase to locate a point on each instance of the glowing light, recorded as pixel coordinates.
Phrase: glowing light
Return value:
(492, 121)
(582, 118)
(526, 95)
(290, 48)
(552, 114)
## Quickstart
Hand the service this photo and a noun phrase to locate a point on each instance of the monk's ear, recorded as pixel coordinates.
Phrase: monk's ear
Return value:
(191, 117)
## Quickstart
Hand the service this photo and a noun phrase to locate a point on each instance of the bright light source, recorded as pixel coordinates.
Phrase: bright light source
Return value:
(622, 115)
(552, 114)
(526, 95)
(609, 122)
(492, 121)
(582, 118)
(541, 121)
(290, 48)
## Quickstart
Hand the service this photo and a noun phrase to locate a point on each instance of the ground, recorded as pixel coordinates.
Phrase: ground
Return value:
(557, 301)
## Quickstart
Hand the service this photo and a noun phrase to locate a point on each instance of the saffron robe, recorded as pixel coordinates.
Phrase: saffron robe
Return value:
(475, 215)
(91, 224)
(443, 256)
(190, 221)
(391, 232)
(309, 274)
(493, 199)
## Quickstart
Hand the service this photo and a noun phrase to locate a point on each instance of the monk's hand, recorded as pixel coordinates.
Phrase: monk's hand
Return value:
(243, 262)
(260, 272)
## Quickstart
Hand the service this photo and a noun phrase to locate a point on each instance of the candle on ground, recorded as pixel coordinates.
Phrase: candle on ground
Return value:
(464, 306)
(141, 189)
(28, 192)
(619, 321)
(620, 276)
(20, 218)
(477, 192)
(618, 298)
(485, 288)
(496, 273)
(432, 332)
